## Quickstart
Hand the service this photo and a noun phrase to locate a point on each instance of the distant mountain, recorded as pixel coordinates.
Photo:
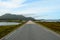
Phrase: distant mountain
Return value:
(15, 17)
(50, 20)
(30, 18)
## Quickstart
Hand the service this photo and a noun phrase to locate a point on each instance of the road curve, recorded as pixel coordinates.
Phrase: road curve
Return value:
(31, 31)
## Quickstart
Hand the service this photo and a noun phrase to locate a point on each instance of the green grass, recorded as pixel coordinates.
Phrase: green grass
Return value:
(4, 30)
(55, 26)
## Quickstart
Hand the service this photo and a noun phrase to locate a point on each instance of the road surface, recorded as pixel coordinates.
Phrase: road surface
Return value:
(31, 31)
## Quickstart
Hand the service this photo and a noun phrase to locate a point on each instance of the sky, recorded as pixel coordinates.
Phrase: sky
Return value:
(38, 9)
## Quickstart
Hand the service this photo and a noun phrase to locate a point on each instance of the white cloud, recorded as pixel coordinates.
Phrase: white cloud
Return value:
(35, 10)
(35, 7)
(12, 4)
(3, 11)
(18, 1)
(8, 5)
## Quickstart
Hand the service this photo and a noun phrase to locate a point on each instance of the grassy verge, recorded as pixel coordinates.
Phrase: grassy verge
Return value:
(4, 30)
(55, 26)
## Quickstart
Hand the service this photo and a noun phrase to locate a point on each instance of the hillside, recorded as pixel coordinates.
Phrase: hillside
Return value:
(15, 17)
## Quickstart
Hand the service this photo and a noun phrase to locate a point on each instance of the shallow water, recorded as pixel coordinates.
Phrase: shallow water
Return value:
(8, 23)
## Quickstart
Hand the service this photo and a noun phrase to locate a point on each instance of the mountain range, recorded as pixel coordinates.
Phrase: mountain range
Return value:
(15, 17)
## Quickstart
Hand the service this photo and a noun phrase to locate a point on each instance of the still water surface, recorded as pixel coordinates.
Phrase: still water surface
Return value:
(8, 23)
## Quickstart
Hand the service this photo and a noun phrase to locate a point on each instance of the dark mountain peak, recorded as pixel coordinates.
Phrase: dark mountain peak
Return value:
(6, 14)
(15, 17)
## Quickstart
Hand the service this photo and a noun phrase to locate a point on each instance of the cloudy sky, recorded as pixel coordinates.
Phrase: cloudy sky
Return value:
(39, 9)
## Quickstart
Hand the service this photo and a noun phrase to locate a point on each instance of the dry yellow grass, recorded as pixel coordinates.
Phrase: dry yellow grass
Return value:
(55, 26)
(4, 30)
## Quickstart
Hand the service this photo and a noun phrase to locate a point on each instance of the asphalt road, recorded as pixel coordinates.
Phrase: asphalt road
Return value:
(31, 31)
